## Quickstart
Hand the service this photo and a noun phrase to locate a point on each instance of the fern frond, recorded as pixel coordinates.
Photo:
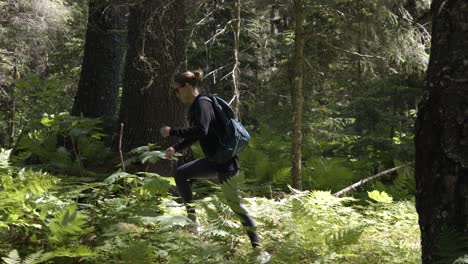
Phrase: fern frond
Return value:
(345, 236)
(4, 158)
(461, 260)
(137, 252)
(36, 257)
(450, 244)
(282, 175)
(12, 258)
(68, 223)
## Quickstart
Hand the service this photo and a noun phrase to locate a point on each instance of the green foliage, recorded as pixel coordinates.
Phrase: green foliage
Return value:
(402, 187)
(4, 160)
(328, 174)
(380, 197)
(145, 154)
(319, 228)
(144, 184)
(33, 219)
(41, 257)
(22, 196)
(461, 260)
(450, 244)
(68, 225)
(66, 143)
(131, 218)
(36, 94)
(39, 60)
(266, 159)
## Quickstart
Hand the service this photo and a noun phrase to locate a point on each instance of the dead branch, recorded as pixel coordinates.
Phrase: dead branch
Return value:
(120, 146)
(220, 32)
(366, 180)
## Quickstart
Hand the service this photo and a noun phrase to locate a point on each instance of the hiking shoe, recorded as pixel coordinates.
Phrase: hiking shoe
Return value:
(195, 228)
(263, 257)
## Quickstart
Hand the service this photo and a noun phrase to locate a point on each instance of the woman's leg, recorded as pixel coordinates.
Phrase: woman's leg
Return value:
(194, 169)
(233, 199)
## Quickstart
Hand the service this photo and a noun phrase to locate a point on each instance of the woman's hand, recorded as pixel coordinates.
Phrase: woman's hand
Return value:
(170, 153)
(165, 131)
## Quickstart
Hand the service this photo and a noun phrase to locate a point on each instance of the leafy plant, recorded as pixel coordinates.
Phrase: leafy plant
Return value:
(41, 257)
(68, 225)
(66, 143)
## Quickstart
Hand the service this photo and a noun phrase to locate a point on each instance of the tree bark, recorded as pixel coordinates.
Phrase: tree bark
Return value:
(156, 52)
(296, 92)
(101, 69)
(441, 137)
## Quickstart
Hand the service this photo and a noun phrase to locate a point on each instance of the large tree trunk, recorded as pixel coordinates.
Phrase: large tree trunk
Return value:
(442, 138)
(100, 73)
(155, 53)
(296, 91)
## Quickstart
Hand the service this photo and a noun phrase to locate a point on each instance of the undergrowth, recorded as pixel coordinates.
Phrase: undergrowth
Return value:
(130, 218)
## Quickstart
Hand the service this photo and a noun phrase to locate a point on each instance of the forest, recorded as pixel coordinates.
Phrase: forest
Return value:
(357, 112)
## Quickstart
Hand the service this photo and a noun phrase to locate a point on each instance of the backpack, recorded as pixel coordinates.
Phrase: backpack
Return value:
(232, 135)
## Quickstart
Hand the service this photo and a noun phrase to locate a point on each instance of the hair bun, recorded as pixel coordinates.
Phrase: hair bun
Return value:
(198, 74)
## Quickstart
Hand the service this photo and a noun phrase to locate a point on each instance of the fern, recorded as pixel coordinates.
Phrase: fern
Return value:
(282, 176)
(40, 257)
(380, 197)
(4, 160)
(461, 260)
(157, 185)
(450, 244)
(137, 252)
(146, 154)
(68, 224)
(345, 236)
(403, 187)
(13, 258)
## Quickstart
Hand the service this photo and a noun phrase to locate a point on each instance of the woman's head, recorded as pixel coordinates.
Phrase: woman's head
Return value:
(186, 85)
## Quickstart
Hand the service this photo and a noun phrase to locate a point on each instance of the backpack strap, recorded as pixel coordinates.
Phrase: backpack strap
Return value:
(219, 113)
(206, 98)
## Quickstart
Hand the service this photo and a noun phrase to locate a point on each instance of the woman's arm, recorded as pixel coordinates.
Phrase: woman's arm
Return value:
(184, 144)
(203, 114)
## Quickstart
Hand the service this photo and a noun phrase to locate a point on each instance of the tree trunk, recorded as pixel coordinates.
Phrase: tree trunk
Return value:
(296, 91)
(100, 73)
(155, 54)
(441, 138)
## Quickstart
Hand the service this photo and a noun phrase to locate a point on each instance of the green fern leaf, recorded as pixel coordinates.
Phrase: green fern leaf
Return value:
(13, 258)
(461, 260)
(380, 197)
(450, 244)
(282, 176)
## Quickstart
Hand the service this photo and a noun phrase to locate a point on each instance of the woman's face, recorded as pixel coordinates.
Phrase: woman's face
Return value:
(184, 92)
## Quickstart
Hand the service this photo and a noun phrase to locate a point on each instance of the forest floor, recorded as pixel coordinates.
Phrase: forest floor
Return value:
(130, 219)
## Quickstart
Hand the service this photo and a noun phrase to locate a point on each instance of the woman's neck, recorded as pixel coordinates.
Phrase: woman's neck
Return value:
(194, 96)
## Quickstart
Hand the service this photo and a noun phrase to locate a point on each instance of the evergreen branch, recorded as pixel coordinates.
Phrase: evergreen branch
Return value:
(366, 180)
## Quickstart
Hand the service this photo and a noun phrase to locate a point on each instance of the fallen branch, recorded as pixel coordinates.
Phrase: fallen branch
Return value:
(366, 180)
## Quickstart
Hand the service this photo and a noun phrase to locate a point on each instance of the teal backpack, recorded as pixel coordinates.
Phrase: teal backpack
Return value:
(232, 135)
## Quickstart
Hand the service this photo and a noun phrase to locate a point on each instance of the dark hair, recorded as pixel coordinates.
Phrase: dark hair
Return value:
(192, 78)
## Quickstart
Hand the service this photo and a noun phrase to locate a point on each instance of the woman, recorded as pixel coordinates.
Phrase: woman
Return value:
(203, 127)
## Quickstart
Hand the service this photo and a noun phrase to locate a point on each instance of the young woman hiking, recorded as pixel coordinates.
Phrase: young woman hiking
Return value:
(203, 128)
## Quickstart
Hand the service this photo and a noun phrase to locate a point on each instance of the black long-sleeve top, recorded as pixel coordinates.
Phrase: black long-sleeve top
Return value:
(203, 127)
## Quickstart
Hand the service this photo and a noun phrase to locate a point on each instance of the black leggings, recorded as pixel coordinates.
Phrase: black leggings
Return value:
(201, 168)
